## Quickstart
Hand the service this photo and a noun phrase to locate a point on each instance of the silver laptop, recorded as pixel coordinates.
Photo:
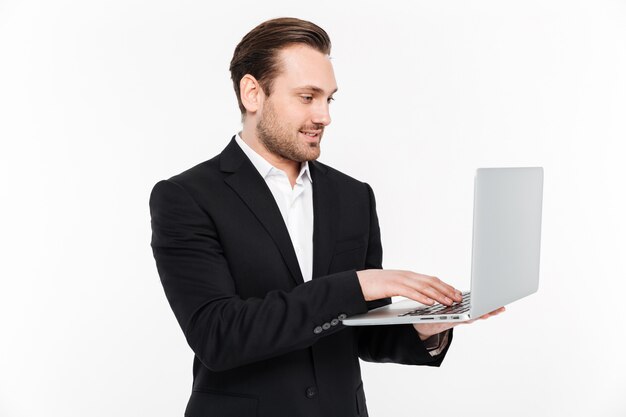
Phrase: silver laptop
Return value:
(505, 251)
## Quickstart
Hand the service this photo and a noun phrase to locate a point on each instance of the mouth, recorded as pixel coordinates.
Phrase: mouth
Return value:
(311, 135)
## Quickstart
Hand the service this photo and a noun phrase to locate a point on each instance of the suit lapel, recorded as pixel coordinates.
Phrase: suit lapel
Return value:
(246, 181)
(325, 219)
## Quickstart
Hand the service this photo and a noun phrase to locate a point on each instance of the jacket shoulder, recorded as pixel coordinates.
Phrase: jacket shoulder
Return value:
(200, 172)
(193, 181)
(338, 176)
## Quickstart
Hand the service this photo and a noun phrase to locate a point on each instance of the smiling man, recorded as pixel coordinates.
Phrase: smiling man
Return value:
(289, 125)
(263, 250)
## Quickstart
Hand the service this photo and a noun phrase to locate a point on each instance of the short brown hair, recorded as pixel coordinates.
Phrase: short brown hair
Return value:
(256, 53)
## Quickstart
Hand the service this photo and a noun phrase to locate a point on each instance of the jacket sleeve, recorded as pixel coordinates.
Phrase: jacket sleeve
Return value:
(223, 330)
(390, 343)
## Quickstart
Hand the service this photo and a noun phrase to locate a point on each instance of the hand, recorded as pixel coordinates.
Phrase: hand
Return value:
(425, 330)
(384, 283)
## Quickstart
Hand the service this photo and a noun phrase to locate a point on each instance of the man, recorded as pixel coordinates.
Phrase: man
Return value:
(262, 250)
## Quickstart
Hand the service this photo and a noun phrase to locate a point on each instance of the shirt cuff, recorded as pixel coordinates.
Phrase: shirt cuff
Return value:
(436, 343)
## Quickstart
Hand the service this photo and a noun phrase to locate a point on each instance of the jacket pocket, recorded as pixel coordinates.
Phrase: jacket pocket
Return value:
(347, 245)
(208, 403)
(361, 408)
(348, 254)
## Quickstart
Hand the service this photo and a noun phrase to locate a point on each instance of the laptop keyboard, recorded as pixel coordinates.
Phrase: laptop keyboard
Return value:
(438, 309)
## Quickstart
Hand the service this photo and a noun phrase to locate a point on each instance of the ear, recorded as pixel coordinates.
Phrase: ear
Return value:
(251, 93)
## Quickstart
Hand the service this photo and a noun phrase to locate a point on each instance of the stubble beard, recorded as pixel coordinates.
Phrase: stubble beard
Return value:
(283, 140)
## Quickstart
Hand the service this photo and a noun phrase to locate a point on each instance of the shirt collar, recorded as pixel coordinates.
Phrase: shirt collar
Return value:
(264, 167)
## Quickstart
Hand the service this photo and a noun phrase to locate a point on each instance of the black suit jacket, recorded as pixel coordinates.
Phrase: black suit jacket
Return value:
(266, 343)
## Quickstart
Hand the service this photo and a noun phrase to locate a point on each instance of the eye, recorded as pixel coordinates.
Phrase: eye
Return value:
(307, 99)
(330, 99)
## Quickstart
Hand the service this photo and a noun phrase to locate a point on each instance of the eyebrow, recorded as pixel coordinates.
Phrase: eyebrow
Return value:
(315, 89)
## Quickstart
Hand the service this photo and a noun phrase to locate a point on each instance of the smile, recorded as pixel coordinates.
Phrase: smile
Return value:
(311, 134)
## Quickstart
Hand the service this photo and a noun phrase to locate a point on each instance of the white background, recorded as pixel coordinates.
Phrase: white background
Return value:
(101, 99)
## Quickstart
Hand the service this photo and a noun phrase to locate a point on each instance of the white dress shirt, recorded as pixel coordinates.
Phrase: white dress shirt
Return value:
(295, 204)
(296, 207)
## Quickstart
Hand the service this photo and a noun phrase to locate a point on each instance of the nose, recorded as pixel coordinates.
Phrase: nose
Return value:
(321, 114)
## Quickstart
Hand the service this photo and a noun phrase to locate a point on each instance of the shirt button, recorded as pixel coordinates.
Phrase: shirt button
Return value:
(342, 316)
(334, 322)
(311, 392)
(318, 330)
(326, 326)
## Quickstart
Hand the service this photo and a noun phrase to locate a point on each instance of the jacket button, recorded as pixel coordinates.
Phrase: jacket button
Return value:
(325, 326)
(342, 316)
(334, 322)
(318, 330)
(311, 392)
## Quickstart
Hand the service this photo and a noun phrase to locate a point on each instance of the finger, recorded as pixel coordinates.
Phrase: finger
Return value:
(437, 295)
(432, 287)
(446, 289)
(493, 313)
(408, 287)
(485, 316)
(434, 328)
(498, 311)
(413, 294)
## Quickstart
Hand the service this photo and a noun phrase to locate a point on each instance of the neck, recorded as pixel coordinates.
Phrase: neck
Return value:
(291, 168)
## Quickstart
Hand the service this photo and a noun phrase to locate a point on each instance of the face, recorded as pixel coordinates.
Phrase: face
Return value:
(293, 117)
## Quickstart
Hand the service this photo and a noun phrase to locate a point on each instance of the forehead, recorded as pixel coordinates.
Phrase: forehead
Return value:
(301, 65)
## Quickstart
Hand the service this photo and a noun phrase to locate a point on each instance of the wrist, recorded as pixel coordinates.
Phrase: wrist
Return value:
(421, 335)
(424, 336)
(431, 341)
